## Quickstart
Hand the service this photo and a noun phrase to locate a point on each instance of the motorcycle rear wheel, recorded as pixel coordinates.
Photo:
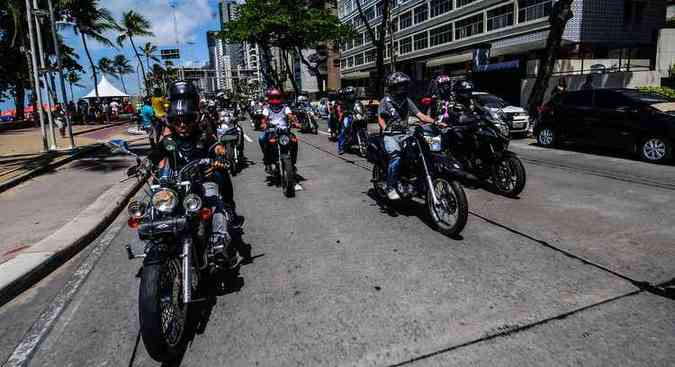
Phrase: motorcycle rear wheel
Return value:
(161, 311)
(378, 181)
(451, 214)
(508, 176)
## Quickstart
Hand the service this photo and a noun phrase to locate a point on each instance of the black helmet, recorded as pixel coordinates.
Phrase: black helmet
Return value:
(183, 99)
(463, 89)
(347, 94)
(443, 86)
(398, 83)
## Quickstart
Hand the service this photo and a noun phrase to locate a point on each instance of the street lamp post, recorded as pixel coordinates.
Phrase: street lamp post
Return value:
(36, 73)
(59, 64)
(43, 66)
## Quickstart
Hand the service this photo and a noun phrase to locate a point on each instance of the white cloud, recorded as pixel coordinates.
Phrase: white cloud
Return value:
(190, 15)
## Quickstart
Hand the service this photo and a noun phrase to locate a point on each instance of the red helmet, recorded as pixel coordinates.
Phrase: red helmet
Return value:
(274, 96)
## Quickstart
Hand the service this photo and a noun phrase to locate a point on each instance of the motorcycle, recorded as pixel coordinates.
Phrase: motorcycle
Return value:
(306, 119)
(231, 135)
(357, 133)
(480, 143)
(420, 177)
(279, 143)
(179, 253)
(257, 118)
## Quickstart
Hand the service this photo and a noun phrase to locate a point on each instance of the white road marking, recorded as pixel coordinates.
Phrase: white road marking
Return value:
(248, 139)
(41, 327)
(324, 132)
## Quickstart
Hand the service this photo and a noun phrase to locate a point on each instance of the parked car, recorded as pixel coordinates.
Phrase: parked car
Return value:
(622, 118)
(517, 118)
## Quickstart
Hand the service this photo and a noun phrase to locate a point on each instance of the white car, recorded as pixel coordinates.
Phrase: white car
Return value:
(519, 119)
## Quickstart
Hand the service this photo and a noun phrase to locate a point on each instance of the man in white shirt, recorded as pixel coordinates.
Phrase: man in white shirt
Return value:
(276, 115)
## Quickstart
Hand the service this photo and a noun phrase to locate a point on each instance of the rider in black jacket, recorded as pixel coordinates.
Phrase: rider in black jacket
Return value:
(196, 139)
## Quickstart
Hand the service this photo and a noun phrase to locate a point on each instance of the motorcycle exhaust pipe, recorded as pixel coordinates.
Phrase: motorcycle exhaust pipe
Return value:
(187, 271)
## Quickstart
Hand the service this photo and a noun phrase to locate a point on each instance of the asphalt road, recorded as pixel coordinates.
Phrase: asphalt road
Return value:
(575, 272)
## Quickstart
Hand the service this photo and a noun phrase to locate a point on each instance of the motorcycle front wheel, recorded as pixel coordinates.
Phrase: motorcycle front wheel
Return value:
(362, 138)
(508, 176)
(288, 177)
(232, 159)
(161, 311)
(452, 210)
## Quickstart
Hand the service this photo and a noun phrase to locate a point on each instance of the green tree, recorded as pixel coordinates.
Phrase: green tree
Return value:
(122, 67)
(134, 25)
(90, 21)
(561, 13)
(73, 78)
(377, 34)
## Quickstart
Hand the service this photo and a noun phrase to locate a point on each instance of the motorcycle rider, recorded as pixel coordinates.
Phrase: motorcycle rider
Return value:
(195, 139)
(393, 113)
(345, 112)
(276, 115)
(443, 99)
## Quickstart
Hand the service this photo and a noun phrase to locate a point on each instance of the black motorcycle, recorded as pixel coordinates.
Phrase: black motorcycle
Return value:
(419, 177)
(306, 119)
(175, 224)
(480, 143)
(231, 135)
(357, 133)
(280, 144)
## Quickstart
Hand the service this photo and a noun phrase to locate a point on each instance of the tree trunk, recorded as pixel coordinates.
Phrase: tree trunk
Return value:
(313, 68)
(72, 96)
(123, 86)
(560, 15)
(145, 80)
(91, 62)
(19, 99)
(269, 74)
(379, 45)
(289, 73)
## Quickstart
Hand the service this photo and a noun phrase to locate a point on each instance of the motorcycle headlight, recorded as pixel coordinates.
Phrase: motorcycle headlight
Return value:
(136, 209)
(284, 140)
(192, 203)
(165, 200)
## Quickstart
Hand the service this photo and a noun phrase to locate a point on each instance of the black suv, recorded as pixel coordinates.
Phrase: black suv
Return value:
(622, 118)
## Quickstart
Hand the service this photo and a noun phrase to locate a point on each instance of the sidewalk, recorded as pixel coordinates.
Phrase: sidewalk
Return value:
(21, 149)
(48, 219)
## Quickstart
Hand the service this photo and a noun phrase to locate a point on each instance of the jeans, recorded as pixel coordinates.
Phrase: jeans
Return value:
(342, 138)
(392, 145)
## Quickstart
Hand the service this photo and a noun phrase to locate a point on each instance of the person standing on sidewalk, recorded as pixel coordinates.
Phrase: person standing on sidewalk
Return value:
(146, 117)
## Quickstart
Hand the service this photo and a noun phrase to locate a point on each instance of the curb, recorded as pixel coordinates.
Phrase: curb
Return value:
(38, 261)
(112, 124)
(6, 185)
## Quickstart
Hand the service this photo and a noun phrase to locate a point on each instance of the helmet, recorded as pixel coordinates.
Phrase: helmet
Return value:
(274, 96)
(463, 90)
(183, 107)
(443, 86)
(147, 100)
(347, 94)
(398, 83)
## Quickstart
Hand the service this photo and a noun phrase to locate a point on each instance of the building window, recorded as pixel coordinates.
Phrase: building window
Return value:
(343, 63)
(357, 21)
(500, 17)
(406, 20)
(421, 41)
(461, 3)
(469, 26)
(358, 59)
(350, 44)
(421, 13)
(379, 9)
(350, 61)
(370, 56)
(439, 7)
(633, 12)
(440, 35)
(358, 40)
(394, 25)
(406, 45)
(370, 13)
(533, 9)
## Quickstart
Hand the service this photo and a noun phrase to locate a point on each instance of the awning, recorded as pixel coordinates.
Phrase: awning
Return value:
(356, 75)
(449, 59)
(105, 89)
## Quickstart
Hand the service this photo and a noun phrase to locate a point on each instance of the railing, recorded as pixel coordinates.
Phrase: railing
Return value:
(500, 21)
(469, 30)
(535, 11)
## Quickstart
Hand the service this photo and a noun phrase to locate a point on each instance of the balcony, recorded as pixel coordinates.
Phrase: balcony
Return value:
(534, 12)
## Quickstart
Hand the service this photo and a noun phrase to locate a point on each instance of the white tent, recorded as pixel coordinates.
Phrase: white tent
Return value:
(105, 90)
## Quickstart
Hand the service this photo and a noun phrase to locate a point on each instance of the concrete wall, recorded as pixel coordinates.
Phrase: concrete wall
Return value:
(603, 21)
(665, 50)
(575, 65)
(631, 79)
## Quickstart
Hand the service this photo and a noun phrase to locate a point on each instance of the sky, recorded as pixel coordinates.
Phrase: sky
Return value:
(193, 19)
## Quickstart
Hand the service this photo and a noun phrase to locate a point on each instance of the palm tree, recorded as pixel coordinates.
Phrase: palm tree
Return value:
(90, 21)
(121, 66)
(149, 51)
(73, 78)
(134, 24)
(105, 66)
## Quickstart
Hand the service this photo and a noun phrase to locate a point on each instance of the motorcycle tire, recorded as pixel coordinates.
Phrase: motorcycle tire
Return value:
(379, 177)
(362, 139)
(150, 295)
(232, 160)
(288, 177)
(517, 173)
(459, 203)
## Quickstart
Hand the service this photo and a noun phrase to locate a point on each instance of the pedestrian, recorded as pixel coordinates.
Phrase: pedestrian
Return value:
(114, 110)
(588, 84)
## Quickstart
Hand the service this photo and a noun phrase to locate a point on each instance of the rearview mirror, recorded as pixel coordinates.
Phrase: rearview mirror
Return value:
(169, 144)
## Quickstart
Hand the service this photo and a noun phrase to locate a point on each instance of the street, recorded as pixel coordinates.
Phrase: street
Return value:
(577, 271)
